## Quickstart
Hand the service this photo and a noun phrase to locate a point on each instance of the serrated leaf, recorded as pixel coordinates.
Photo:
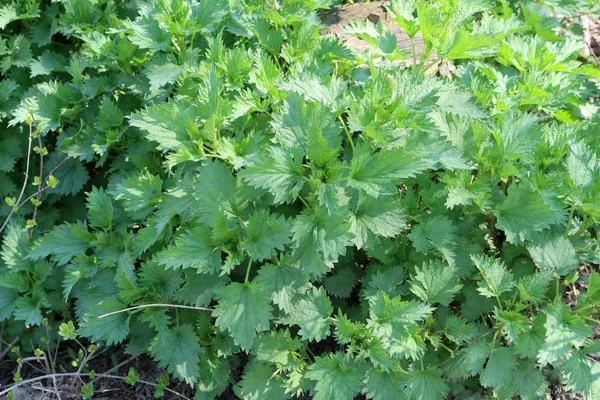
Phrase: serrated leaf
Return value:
(192, 249)
(63, 243)
(337, 378)
(378, 173)
(428, 384)
(112, 329)
(496, 278)
(277, 347)
(500, 368)
(266, 233)
(259, 382)
(564, 329)
(100, 208)
(178, 350)
(283, 282)
(381, 385)
(139, 194)
(280, 173)
(161, 75)
(523, 213)
(242, 310)
(554, 253)
(376, 217)
(311, 312)
(434, 283)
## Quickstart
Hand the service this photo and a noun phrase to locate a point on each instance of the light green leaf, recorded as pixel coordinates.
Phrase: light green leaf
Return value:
(161, 75)
(311, 312)
(554, 253)
(337, 378)
(496, 278)
(435, 282)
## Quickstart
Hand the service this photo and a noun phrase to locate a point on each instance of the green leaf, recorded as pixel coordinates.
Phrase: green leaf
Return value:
(215, 193)
(577, 373)
(14, 12)
(428, 384)
(280, 173)
(319, 240)
(178, 350)
(328, 92)
(475, 355)
(582, 164)
(64, 242)
(8, 297)
(403, 13)
(465, 45)
(242, 310)
(28, 310)
(554, 253)
(311, 312)
(530, 342)
(529, 381)
(435, 282)
(523, 213)
(259, 382)
(266, 233)
(47, 63)
(564, 329)
(112, 329)
(496, 279)
(437, 232)
(500, 368)
(341, 283)
(388, 317)
(378, 173)
(519, 135)
(381, 385)
(139, 194)
(283, 282)
(337, 378)
(192, 249)
(297, 119)
(277, 347)
(533, 288)
(100, 208)
(376, 217)
(161, 75)
(10, 151)
(168, 124)
(71, 175)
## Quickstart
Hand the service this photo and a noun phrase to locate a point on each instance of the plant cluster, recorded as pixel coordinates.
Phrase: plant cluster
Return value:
(332, 223)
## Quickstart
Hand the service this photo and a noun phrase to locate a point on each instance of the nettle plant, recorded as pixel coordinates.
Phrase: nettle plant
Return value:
(339, 223)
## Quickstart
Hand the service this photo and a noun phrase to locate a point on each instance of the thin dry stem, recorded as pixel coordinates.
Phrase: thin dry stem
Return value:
(81, 375)
(156, 305)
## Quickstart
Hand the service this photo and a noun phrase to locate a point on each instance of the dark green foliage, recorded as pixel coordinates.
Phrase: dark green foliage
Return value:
(353, 223)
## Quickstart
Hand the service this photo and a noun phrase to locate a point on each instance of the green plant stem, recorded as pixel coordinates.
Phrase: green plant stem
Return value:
(594, 320)
(303, 201)
(414, 53)
(348, 135)
(448, 349)
(248, 270)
